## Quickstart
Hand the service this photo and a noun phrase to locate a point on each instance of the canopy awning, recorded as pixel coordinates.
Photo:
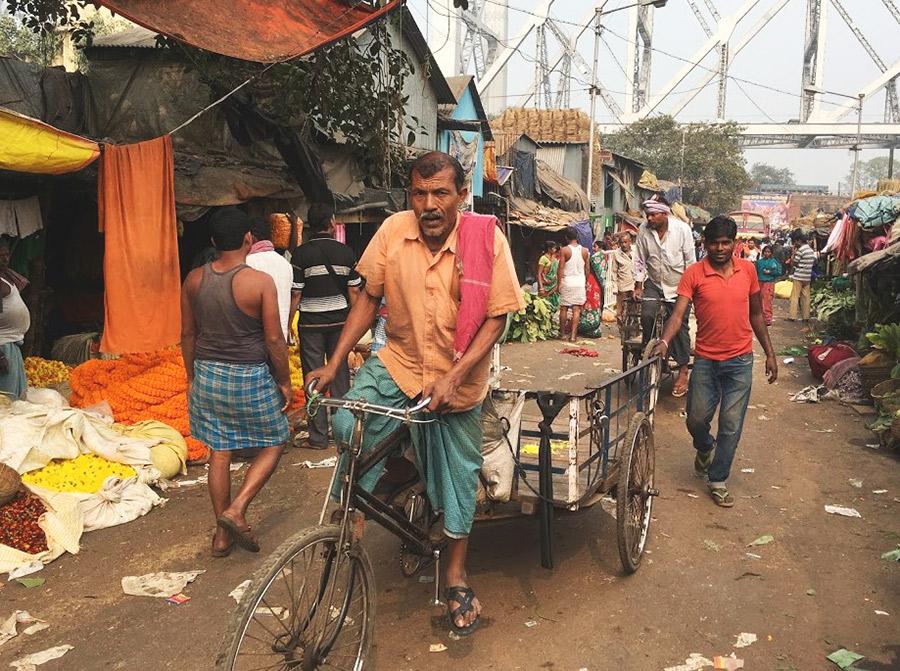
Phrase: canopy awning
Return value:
(252, 30)
(528, 213)
(30, 145)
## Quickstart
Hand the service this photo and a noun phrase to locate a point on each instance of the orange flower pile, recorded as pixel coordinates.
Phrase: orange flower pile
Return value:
(139, 387)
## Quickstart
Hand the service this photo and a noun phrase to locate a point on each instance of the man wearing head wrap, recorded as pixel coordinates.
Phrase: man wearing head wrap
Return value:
(663, 249)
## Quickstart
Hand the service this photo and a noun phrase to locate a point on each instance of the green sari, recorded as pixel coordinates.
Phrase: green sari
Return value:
(549, 285)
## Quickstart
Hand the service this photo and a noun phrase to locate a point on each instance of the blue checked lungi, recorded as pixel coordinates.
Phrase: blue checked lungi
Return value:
(448, 451)
(236, 406)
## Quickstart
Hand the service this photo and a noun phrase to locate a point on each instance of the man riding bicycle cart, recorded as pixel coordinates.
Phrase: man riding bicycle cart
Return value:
(450, 282)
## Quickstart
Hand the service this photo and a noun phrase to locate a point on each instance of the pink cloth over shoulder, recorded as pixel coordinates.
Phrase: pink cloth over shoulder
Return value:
(475, 254)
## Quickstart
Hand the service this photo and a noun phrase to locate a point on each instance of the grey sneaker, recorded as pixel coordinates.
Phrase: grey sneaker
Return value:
(702, 462)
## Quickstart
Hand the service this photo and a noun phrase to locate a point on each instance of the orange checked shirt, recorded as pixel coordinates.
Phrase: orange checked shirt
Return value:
(422, 292)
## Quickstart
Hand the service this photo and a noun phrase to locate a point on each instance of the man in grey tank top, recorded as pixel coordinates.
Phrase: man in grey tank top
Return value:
(239, 385)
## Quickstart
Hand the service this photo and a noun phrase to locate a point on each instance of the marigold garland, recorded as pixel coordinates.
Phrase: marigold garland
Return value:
(45, 372)
(152, 386)
(139, 387)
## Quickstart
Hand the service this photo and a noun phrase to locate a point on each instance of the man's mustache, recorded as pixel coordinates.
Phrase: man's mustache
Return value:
(431, 216)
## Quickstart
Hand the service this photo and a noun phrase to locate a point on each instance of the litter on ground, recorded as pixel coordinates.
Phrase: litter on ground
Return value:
(8, 627)
(855, 482)
(744, 640)
(695, 662)
(32, 661)
(748, 470)
(329, 462)
(238, 592)
(730, 663)
(841, 510)
(844, 658)
(881, 612)
(437, 647)
(160, 585)
(762, 540)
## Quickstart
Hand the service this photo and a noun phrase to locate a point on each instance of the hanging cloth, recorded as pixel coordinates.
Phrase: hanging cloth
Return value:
(475, 249)
(20, 218)
(136, 202)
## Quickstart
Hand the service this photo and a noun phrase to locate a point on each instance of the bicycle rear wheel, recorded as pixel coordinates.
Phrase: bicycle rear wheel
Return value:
(310, 606)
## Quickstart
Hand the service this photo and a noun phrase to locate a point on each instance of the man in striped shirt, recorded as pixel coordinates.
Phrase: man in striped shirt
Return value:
(325, 277)
(803, 260)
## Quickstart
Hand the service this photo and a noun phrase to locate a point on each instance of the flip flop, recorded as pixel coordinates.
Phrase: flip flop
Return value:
(243, 537)
(678, 392)
(464, 597)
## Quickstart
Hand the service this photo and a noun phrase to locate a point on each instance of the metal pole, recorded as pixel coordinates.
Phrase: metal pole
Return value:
(857, 148)
(890, 174)
(591, 141)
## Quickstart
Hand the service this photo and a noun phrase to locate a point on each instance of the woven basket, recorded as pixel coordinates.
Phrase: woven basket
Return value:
(881, 392)
(9, 484)
(872, 375)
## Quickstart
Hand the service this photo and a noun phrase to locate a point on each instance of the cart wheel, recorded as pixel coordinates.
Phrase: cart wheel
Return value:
(635, 491)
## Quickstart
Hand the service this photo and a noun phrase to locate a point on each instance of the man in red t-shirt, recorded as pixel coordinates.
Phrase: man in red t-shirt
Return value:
(727, 303)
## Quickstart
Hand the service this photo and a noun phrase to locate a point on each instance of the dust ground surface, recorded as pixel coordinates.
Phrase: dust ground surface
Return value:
(813, 590)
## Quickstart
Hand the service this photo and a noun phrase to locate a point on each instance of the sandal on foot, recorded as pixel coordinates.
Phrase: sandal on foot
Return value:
(464, 596)
(678, 392)
(242, 536)
(721, 497)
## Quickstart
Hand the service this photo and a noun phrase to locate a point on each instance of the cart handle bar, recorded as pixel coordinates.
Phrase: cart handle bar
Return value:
(356, 405)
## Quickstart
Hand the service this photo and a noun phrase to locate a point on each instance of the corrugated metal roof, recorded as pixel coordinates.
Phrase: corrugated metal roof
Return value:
(554, 156)
(504, 140)
(135, 37)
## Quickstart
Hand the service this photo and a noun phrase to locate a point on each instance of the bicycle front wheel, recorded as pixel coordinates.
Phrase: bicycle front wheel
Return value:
(310, 606)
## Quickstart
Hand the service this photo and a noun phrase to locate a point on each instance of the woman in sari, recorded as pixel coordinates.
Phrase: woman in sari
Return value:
(591, 322)
(548, 268)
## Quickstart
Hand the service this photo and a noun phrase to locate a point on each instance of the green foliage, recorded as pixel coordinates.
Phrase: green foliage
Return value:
(533, 323)
(763, 173)
(871, 171)
(45, 17)
(714, 173)
(351, 90)
(837, 309)
(886, 337)
(20, 42)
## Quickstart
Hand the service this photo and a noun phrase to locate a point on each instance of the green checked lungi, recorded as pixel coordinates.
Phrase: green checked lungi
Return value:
(448, 451)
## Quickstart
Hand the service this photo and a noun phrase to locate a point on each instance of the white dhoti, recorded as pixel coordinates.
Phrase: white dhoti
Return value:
(572, 292)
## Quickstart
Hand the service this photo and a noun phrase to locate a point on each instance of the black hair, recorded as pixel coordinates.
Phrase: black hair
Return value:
(720, 227)
(571, 233)
(430, 164)
(798, 236)
(550, 245)
(228, 226)
(260, 229)
(319, 217)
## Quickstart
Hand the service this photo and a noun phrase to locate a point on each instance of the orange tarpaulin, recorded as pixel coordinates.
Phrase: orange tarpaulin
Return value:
(136, 201)
(253, 30)
(30, 145)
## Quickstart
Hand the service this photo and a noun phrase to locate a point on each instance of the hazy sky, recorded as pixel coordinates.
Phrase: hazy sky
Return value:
(774, 59)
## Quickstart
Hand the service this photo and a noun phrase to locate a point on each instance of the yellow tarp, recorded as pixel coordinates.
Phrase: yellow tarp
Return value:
(30, 145)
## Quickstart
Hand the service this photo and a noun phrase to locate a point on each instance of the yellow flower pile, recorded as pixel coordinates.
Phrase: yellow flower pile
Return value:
(44, 372)
(85, 473)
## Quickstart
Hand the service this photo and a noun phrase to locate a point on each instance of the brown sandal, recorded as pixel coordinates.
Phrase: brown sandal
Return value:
(243, 537)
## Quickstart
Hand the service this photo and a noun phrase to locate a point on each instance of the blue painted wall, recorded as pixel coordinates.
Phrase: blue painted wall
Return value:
(465, 111)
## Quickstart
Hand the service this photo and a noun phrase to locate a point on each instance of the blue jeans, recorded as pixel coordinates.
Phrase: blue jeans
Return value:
(724, 385)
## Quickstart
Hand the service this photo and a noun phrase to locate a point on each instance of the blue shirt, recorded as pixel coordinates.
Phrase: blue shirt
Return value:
(768, 270)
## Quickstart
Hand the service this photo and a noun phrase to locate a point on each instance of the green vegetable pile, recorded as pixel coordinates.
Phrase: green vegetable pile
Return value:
(533, 323)
(837, 309)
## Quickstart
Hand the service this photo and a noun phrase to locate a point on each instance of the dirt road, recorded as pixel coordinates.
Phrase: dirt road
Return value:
(813, 590)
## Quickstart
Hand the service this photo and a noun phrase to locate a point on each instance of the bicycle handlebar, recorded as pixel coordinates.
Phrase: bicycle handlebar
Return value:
(357, 405)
